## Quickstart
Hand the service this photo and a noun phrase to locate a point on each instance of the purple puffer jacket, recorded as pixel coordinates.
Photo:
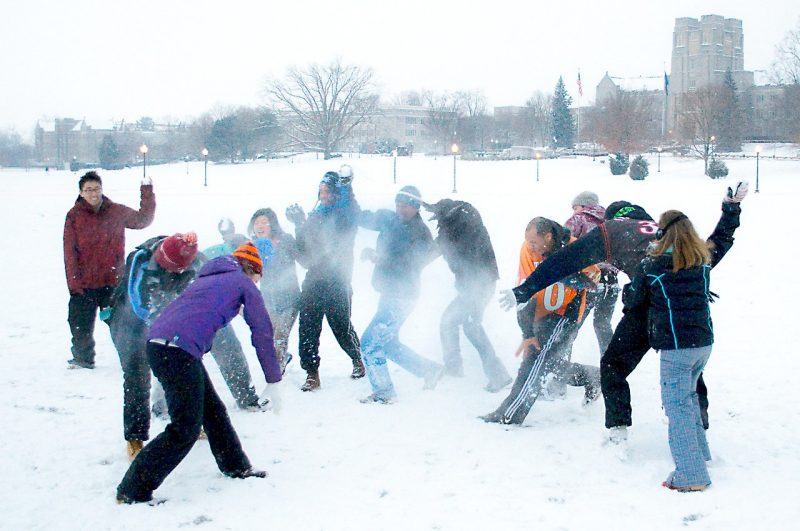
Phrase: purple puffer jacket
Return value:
(210, 303)
(581, 223)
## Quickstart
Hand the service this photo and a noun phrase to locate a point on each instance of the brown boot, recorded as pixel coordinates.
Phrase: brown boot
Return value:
(134, 447)
(312, 382)
(358, 369)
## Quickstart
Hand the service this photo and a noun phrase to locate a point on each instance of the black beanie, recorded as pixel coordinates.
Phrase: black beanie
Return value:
(626, 209)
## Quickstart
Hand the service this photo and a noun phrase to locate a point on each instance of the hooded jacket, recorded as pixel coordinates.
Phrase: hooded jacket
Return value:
(464, 243)
(403, 249)
(678, 311)
(94, 241)
(209, 304)
(582, 222)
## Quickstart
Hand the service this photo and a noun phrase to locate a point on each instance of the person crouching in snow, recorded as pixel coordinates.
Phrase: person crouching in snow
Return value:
(176, 343)
(672, 286)
(550, 323)
(403, 249)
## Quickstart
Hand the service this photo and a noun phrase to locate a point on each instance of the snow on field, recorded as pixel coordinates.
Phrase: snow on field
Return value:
(425, 462)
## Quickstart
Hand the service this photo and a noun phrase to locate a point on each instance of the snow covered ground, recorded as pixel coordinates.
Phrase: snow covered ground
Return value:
(425, 462)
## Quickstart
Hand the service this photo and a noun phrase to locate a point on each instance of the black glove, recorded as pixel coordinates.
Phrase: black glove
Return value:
(295, 214)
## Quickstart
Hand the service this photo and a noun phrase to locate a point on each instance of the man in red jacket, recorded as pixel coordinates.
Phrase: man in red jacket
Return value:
(94, 256)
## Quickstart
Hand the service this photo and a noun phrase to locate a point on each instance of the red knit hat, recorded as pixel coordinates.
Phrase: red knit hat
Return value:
(177, 252)
(247, 253)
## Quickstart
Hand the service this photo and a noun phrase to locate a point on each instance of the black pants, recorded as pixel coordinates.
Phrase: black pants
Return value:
(627, 348)
(129, 334)
(82, 311)
(193, 404)
(331, 300)
(556, 334)
(604, 302)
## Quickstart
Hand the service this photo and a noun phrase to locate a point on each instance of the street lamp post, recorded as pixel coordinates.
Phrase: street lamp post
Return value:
(538, 157)
(659, 159)
(143, 151)
(758, 152)
(394, 166)
(454, 149)
(205, 166)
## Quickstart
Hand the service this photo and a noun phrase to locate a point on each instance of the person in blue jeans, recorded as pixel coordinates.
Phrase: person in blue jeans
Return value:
(672, 285)
(404, 247)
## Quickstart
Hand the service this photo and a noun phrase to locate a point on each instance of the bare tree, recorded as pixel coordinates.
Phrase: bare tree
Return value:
(325, 103)
(474, 127)
(536, 120)
(786, 67)
(699, 120)
(444, 116)
(620, 122)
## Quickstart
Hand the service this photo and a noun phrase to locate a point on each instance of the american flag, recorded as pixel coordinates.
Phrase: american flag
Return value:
(580, 85)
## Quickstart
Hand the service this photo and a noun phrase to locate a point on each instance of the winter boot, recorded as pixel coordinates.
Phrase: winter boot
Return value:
(618, 435)
(134, 447)
(78, 364)
(590, 394)
(358, 369)
(454, 370)
(432, 377)
(496, 387)
(312, 381)
(378, 399)
(247, 473)
(495, 418)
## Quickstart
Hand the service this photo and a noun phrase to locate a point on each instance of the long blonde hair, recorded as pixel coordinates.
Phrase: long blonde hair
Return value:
(681, 240)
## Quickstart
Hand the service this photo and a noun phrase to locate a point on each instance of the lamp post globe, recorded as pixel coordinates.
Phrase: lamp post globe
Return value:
(143, 151)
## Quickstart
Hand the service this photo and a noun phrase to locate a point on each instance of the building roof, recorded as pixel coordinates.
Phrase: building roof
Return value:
(630, 84)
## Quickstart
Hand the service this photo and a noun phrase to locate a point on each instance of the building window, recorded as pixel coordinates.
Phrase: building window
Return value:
(411, 120)
(411, 132)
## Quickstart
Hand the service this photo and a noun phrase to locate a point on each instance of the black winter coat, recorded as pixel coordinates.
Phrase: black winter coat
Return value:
(677, 303)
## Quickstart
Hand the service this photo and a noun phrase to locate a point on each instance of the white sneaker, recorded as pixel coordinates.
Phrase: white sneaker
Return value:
(618, 441)
(618, 435)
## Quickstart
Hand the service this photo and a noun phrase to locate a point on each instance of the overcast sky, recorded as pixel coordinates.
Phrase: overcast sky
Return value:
(175, 59)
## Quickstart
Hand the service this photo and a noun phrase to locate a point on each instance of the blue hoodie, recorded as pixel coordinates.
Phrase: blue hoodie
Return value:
(209, 304)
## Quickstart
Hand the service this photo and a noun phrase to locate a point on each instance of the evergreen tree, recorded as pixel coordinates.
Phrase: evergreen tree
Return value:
(729, 136)
(563, 124)
(108, 153)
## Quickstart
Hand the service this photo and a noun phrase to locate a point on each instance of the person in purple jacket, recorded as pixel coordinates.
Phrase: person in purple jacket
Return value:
(176, 343)
(586, 215)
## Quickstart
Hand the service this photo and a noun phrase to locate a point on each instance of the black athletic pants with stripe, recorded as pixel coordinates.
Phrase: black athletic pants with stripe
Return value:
(556, 334)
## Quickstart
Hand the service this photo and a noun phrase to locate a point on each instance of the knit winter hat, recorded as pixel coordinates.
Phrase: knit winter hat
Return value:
(626, 209)
(177, 252)
(330, 179)
(248, 254)
(586, 198)
(409, 195)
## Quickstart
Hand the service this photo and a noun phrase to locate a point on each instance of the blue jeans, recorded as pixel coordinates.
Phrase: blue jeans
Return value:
(380, 342)
(680, 370)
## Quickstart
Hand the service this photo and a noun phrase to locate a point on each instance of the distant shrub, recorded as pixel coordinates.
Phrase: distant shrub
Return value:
(639, 168)
(618, 163)
(717, 169)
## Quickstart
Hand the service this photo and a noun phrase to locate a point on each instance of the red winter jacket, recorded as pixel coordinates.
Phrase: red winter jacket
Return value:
(94, 242)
